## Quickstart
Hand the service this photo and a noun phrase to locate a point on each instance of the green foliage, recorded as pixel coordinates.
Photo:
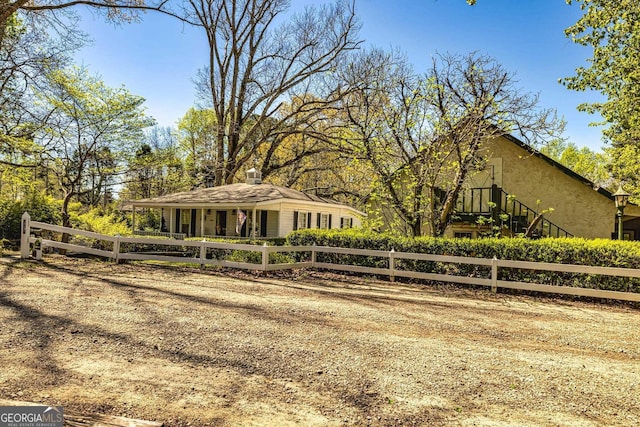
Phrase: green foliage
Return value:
(98, 221)
(599, 252)
(41, 208)
(92, 131)
(610, 27)
(156, 168)
(590, 164)
(196, 137)
(423, 136)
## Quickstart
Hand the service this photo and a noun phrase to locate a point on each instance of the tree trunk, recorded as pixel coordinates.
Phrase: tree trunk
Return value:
(416, 227)
(66, 218)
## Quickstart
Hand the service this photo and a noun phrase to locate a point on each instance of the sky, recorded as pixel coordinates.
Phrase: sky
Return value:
(158, 58)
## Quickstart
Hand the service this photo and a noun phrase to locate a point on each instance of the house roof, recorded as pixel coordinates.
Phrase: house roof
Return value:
(234, 193)
(558, 165)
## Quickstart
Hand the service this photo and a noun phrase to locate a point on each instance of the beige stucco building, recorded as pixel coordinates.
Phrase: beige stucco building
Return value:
(523, 182)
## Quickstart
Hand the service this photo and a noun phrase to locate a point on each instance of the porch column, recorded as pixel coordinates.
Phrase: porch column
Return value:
(253, 224)
(202, 222)
(171, 221)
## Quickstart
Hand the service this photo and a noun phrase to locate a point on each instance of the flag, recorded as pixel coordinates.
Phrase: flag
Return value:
(241, 217)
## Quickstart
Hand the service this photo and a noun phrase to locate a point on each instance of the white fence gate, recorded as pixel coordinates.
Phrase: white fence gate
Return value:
(28, 241)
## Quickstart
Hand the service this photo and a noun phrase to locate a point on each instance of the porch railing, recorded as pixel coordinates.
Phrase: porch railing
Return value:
(178, 236)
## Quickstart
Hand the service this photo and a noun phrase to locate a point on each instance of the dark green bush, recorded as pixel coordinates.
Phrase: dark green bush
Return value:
(599, 252)
(41, 208)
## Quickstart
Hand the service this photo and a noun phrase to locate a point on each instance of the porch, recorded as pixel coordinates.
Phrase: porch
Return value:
(181, 222)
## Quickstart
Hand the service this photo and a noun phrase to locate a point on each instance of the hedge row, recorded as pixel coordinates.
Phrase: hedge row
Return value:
(600, 252)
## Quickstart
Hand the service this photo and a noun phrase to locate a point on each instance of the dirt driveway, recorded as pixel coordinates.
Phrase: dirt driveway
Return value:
(193, 348)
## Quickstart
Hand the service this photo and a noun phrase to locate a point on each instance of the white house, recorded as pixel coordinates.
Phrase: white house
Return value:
(247, 209)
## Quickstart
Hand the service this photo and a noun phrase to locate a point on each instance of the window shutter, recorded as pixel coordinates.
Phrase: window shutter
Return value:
(295, 220)
(263, 223)
(330, 220)
(318, 222)
(309, 220)
(341, 222)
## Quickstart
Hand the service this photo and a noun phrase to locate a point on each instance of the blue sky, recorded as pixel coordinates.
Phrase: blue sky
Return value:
(159, 57)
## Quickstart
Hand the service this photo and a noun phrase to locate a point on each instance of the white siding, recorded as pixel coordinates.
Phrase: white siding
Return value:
(272, 224)
(286, 215)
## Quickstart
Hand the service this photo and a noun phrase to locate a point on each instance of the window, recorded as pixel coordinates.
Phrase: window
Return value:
(346, 222)
(324, 221)
(186, 215)
(301, 220)
(463, 235)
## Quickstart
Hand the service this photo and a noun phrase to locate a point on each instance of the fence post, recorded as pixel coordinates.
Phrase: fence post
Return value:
(203, 252)
(392, 265)
(313, 255)
(39, 247)
(25, 234)
(265, 257)
(494, 275)
(116, 249)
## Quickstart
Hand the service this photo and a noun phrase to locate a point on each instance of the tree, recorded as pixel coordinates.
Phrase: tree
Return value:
(196, 139)
(92, 126)
(424, 135)
(156, 168)
(37, 37)
(27, 55)
(255, 65)
(610, 27)
(593, 165)
(115, 10)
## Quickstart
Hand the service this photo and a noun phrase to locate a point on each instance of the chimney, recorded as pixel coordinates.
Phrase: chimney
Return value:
(254, 176)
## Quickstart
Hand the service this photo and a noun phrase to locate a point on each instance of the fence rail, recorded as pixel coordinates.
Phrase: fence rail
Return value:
(30, 244)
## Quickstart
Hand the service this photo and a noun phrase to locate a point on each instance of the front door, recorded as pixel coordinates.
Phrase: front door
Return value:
(192, 228)
(221, 223)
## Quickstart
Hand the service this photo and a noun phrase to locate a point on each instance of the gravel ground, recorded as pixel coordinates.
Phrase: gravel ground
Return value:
(199, 348)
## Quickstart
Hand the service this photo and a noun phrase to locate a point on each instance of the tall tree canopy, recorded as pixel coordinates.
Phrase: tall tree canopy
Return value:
(612, 29)
(260, 57)
(422, 136)
(92, 130)
(28, 54)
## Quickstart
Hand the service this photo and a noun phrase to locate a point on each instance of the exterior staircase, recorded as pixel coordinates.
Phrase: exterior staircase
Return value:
(505, 210)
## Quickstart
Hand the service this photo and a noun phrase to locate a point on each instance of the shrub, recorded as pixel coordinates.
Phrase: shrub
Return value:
(600, 252)
(40, 207)
(98, 221)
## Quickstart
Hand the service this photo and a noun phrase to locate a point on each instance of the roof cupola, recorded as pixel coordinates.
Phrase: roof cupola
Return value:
(254, 176)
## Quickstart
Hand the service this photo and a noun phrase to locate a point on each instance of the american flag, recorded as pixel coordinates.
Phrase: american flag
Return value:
(241, 218)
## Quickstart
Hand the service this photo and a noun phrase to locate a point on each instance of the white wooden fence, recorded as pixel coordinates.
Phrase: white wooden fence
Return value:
(28, 241)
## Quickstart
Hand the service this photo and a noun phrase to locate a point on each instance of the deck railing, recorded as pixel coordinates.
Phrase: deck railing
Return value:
(494, 201)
